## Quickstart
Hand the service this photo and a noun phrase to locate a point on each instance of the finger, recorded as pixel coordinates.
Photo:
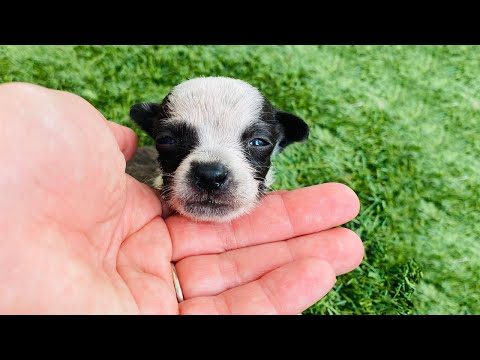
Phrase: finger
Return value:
(144, 265)
(213, 274)
(289, 289)
(279, 216)
(126, 138)
(142, 205)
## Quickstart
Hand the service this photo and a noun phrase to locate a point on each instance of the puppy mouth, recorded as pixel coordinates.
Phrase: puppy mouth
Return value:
(209, 201)
(208, 209)
(208, 206)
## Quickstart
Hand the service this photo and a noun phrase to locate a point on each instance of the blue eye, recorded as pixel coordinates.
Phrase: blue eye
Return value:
(258, 142)
(165, 140)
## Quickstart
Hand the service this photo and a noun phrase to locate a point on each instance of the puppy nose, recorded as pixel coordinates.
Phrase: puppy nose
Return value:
(209, 176)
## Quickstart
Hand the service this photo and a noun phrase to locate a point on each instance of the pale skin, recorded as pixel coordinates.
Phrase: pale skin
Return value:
(80, 236)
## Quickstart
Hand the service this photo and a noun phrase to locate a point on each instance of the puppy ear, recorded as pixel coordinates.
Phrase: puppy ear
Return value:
(144, 115)
(294, 129)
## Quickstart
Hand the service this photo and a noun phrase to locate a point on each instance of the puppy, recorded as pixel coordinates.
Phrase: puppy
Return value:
(214, 139)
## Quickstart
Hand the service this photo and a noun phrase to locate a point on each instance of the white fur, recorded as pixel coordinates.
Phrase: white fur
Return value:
(269, 178)
(158, 182)
(220, 107)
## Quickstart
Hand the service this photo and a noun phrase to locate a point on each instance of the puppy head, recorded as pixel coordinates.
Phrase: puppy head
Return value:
(215, 137)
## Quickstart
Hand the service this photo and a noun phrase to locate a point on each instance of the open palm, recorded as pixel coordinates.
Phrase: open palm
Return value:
(81, 236)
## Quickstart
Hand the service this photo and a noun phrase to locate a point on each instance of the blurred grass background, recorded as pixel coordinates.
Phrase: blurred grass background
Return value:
(398, 124)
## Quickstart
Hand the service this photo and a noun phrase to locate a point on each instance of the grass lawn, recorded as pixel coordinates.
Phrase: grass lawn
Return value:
(400, 125)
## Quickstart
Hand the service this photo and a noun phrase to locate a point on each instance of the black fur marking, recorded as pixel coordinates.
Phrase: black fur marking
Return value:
(259, 156)
(147, 114)
(294, 129)
(170, 156)
(277, 127)
(153, 119)
(266, 128)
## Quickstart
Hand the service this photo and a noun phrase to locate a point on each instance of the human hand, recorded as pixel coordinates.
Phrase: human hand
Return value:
(81, 236)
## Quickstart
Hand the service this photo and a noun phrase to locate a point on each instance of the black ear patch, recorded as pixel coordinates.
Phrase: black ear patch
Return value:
(294, 129)
(144, 115)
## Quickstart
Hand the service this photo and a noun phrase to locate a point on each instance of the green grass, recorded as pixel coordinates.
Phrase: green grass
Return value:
(400, 125)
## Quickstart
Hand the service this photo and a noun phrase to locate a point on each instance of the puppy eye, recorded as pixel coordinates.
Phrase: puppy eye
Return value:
(258, 142)
(165, 140)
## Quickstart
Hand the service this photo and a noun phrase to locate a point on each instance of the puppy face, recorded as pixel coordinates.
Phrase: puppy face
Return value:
(215, 137)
